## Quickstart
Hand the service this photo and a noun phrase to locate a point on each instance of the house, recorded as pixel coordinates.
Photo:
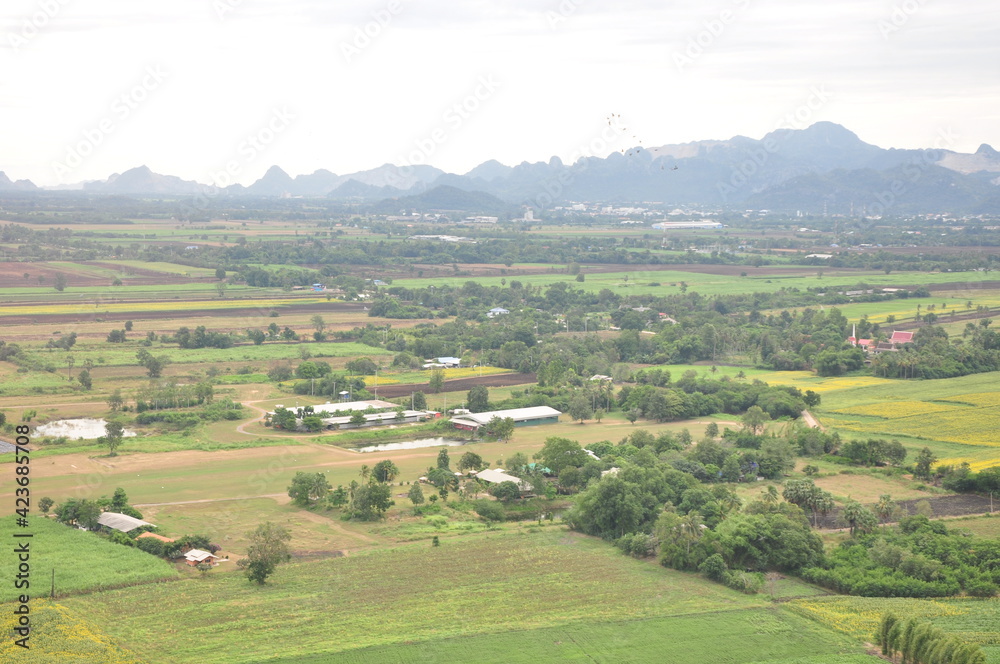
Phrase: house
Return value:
(600, 377)
(450, 362)
(496, 476)
(521, 417)
(195, 557)
(899, 338)
(121, 522)
(497, 311)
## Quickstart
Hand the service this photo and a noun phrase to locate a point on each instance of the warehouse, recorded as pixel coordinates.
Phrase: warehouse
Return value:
(521, 417)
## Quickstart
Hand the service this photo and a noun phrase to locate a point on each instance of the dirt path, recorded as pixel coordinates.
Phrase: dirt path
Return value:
(209, 500)
(811, 420)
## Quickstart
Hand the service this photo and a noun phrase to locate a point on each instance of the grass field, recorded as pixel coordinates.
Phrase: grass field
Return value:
(481, 585)
(82, 560)
(962, 413)
(59, 636)
(972, 620)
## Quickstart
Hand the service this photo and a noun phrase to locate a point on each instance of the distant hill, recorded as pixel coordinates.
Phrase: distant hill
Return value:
(445, 199)
(823, 167)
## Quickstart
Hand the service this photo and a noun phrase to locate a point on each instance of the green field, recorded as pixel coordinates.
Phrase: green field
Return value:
(972, 620)
(481, 585)
(639, 282)
(82, 560)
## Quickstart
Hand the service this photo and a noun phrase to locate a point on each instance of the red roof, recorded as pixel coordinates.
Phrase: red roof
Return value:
(901, 337)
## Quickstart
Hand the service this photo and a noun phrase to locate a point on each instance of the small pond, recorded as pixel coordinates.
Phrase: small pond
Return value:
(85, 428)
(413, 444)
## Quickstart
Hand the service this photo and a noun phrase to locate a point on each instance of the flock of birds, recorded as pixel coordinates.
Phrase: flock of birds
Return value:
(615, 118)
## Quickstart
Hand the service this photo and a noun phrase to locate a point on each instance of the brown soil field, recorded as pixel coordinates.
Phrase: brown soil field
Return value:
(458, 385)
(960, 505)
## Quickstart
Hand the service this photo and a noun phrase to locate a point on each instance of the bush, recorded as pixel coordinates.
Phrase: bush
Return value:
(638, 545)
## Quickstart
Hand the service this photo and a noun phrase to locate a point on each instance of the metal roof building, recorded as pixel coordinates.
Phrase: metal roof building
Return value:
(122, 522)
(496, 476)
(521, 417)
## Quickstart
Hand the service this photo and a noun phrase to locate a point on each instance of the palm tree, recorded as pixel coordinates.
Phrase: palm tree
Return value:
(365, 472)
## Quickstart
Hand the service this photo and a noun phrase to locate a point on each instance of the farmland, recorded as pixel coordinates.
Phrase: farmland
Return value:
(415, 593)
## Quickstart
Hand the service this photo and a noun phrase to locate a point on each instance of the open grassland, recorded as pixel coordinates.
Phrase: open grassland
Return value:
(478, 585)
(59, 636)
(945, 303)
(972, 620)
(987, 526)
(106, 307)
(961, 413)
(644, 281)
(764, 636)
(82, 561)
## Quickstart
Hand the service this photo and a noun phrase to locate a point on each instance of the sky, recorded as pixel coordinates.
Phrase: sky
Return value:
(217, 91)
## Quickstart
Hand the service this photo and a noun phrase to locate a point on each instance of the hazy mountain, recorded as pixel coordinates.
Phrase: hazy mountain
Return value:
(142, 180)
(21, 185)
(824, 166)
(446, 199)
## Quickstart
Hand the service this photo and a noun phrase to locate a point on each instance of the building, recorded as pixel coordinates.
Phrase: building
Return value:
(449, 362)
(496, 476)
(375, 419)
(195, 557)
(684, 225)
(899, 338)
(122, 522)
(521, 417)
(497, 311)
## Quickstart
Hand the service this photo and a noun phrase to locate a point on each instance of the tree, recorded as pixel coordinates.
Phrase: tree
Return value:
(579, 408)
(220, 273)
(308, 488)
(60, 284)
(505, 491)
(153, 365)
(443, 460)
(712, 430)
(489, 510)
(114, 432)
(858, 517)
(478, 400)
(885, 507)
(116, 336)
(419, 401)
(807, 495)
(256, 336)
(371, 501)
(45, 504)
(115, 401)
(754, 420)
(416, 494)
(128, 326)
(385, 471)
(85, 380)
(922, 468)
(319, 325)
(267, 549)
(436, 381)
(470, 460)
(558, 453)
(501, 428)
(358, 418)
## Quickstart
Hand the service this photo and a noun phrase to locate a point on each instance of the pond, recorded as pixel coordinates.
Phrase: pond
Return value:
(413, 444)
(84, 428)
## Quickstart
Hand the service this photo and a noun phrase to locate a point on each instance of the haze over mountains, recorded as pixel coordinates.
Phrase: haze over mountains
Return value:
(823, 167)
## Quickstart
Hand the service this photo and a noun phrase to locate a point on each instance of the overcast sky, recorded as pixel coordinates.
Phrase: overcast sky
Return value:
(209, 89)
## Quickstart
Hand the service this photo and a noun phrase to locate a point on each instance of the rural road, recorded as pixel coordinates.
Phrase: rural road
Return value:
(811, 420)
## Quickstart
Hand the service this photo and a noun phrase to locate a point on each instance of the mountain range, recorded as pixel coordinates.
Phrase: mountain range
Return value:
(824, 167)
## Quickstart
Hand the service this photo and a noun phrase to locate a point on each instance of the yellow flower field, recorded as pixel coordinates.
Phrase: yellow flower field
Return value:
(167, 305)
(59, 635)
(859, 616)
(805, 381)
(976, 399)
(896, 409)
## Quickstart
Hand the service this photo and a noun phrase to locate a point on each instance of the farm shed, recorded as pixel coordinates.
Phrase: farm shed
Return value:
(197, 556)
(496, 476)
(521, 417)
(122, 522)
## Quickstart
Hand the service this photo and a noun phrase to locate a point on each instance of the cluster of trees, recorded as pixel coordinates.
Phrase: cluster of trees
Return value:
(917, 642)
(918, 558)
(365, 501)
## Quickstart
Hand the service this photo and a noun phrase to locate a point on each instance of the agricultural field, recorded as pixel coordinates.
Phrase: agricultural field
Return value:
(82, 561)
(972, 620)
(549, 579)
(957, 417)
